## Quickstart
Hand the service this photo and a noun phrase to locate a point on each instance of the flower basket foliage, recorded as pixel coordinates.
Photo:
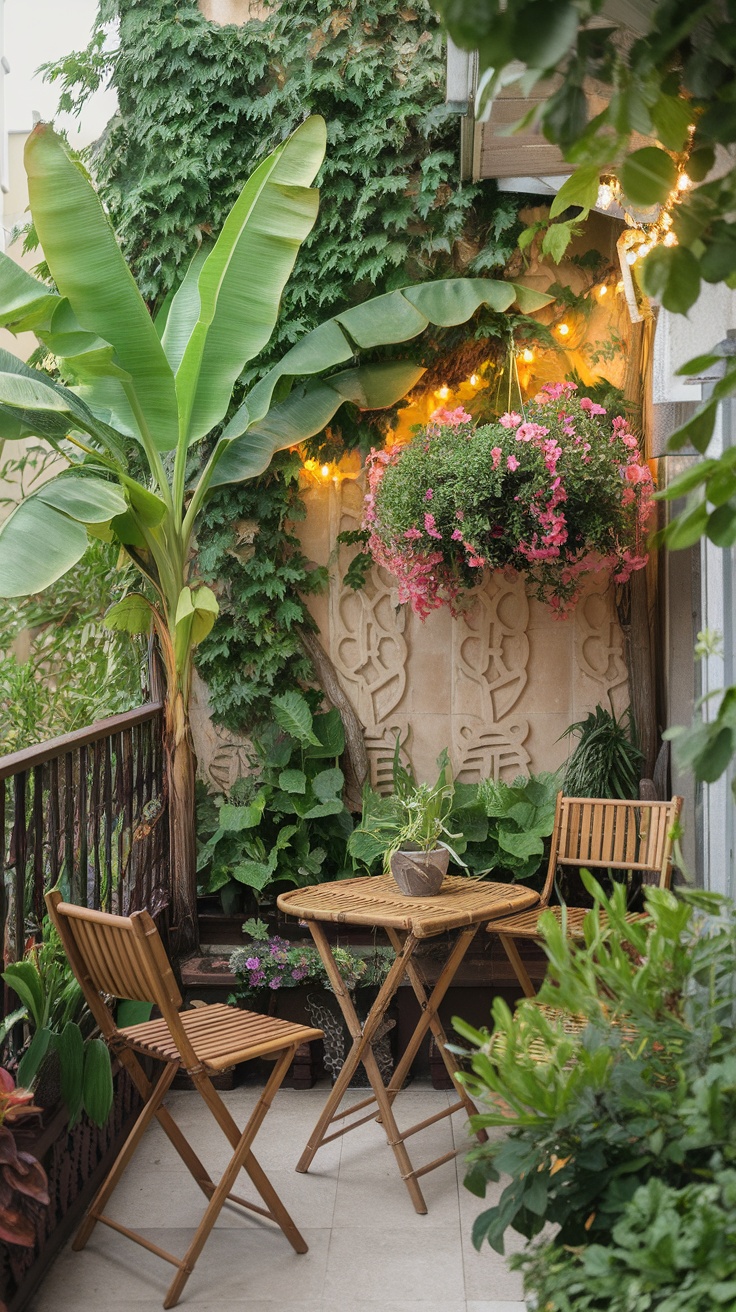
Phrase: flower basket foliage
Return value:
(558, 493)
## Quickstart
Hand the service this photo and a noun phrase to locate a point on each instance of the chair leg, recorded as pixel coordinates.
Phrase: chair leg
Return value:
(242, 1143)
(125, 1154)
(520, 969)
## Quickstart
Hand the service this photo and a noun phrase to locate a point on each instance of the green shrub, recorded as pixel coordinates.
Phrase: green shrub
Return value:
(629, 1122)
(286, 825)
(606, 759)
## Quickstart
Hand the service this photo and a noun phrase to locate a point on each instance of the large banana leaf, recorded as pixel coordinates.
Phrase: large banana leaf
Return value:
(43, 408)
(46, 534)
(242, 278)
(394, 317)
(88, 268)
(306, 410)
(25, 303)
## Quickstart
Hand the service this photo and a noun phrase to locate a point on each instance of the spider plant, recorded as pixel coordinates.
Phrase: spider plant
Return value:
(413, 818)
(606, 759)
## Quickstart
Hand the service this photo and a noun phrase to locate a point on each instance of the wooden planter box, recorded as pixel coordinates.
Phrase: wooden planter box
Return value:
(76, 1161)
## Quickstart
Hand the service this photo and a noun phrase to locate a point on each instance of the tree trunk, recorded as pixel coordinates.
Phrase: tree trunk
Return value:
(355, 757)
(180, 778)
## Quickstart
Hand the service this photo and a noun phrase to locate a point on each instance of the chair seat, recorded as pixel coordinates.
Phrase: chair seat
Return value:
(526, 923)
(220, 1035)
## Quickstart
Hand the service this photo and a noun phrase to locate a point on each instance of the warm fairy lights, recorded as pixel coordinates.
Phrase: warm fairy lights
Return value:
(443, 393)
(474, 380)
(563, 329)
(528, 356)
(603, 289)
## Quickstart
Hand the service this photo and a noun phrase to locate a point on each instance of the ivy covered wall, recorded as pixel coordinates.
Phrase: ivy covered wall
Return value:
(199, 106)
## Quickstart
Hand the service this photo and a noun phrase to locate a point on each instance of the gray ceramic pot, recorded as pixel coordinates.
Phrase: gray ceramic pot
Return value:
(420, 874)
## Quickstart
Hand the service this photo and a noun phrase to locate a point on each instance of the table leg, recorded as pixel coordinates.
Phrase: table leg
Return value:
(361, 1050)
(430, 1018)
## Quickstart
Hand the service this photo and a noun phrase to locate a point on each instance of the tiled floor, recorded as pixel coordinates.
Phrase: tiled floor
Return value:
(368, 1249)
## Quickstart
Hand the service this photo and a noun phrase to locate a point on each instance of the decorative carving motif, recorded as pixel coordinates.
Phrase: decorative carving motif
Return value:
(599, 643)
(372, 646)
(490, 654)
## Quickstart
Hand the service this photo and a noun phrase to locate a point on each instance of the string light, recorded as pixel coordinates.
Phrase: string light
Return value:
(474, 380)
(603, 289)
(325, 471)
(528, 356)
(669, 239)
(646, 235)
(563, 329)
(605, 196)
(683, 182)
(443, 393)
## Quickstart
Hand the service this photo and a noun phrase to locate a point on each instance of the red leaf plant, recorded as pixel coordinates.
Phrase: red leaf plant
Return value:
(20, 1174)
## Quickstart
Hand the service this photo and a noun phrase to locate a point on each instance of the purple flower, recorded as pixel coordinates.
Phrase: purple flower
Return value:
(252, 963)
(275, 983)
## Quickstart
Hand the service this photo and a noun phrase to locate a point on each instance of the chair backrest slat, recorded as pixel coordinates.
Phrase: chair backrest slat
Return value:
(117, 955)
(611, 834)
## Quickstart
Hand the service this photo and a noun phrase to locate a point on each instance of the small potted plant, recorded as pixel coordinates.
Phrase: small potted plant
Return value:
(408, 830)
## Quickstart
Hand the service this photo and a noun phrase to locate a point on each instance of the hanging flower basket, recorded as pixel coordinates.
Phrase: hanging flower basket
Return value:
(557, 494)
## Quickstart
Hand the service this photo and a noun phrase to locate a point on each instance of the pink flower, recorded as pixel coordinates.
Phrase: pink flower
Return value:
(459, 514)
(430, 526)
(510, 419)
(512, 463)
(411, 533)
(456, 535)
(530, 432)
(496, 454)
(450, 418)
(637, 474)
(428, 494)
(629, 441)
(591, 407)
(476, 562)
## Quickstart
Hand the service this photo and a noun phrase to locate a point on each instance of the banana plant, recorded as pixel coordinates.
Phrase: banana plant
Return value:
(136, 393)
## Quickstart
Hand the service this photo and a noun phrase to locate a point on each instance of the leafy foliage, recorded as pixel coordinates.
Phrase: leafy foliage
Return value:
(285, 825)
(605, 760)
(76, 671)
(248, 549)
(60, 1023)
(624, 1134)
(521, 816)
(494, 826)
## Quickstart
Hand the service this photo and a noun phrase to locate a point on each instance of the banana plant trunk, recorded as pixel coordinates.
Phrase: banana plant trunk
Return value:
(180, 764)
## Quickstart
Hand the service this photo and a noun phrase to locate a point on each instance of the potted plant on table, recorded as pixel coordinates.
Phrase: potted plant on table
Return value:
(409, 831)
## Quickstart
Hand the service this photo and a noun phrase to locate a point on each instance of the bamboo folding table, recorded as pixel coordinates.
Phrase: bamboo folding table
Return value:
(377, 902)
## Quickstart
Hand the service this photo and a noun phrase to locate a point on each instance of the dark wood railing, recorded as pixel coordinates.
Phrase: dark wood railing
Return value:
(87, 811)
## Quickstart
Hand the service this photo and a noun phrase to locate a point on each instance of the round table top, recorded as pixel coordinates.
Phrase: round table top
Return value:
(376, 900)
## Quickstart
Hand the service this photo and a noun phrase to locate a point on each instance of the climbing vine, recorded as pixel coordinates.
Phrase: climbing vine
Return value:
(199, 105)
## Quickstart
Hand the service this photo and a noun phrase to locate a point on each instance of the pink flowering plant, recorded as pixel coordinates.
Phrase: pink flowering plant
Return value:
(557, 494)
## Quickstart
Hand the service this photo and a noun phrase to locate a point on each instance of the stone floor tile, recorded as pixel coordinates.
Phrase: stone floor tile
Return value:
(259, 1263)
(481, 1305)
(377, 1202)
(399, 1265)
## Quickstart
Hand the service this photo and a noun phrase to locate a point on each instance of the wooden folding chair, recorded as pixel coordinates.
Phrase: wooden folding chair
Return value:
(597, 834)
(123, 957)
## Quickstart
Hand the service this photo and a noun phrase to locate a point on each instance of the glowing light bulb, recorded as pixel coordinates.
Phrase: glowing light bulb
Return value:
(603, 289)
(683, 182)
(605, 196)
(666, 220)
(527, 356)
(442, 393)
(620, 286)
(563, 329)
(325, 471)
(643, 250)
(632, 257)
(474, 380)
(670, 239)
